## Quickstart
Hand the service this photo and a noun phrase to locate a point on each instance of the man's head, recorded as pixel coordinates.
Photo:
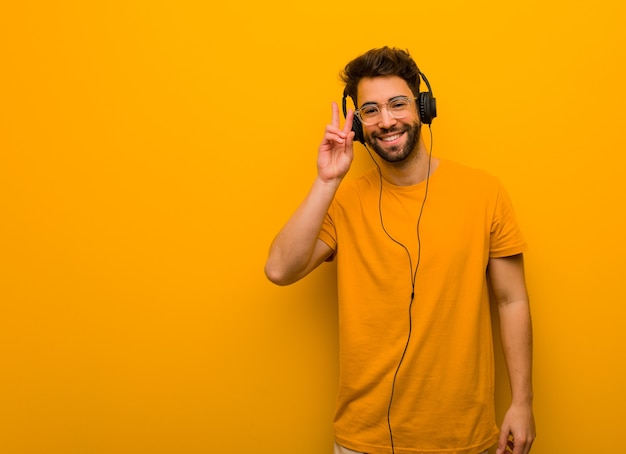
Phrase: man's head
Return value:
(384, 85)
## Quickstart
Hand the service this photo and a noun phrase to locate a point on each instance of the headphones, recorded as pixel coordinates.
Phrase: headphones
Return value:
(426, 106)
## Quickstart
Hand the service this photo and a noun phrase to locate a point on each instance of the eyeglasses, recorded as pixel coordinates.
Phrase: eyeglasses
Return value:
(370, 114)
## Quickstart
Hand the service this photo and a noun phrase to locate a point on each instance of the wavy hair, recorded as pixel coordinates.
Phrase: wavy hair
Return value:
(381, 62)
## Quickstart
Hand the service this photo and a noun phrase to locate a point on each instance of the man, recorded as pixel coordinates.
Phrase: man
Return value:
(417, 240)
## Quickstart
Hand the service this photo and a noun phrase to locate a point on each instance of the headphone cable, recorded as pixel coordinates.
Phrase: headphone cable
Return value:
(412, 272)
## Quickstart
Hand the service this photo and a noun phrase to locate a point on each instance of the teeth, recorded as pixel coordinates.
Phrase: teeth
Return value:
(390, 138)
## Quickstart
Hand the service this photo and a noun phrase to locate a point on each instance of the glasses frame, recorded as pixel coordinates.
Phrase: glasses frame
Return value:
(380, 110)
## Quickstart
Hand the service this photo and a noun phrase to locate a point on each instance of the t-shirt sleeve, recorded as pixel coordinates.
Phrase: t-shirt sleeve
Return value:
(506, 237)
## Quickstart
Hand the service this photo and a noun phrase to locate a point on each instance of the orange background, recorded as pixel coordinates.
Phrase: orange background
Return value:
(149, 151)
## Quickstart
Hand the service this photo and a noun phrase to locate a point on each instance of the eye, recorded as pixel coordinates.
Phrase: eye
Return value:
(368, 111)
(399, 104)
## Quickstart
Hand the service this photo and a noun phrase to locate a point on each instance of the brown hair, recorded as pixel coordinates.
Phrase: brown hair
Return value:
(381, 62)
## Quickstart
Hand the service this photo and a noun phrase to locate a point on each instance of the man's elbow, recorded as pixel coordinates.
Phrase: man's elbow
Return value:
(277, 275)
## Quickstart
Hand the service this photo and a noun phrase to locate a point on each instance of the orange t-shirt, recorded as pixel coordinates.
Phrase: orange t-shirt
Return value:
(444, 390)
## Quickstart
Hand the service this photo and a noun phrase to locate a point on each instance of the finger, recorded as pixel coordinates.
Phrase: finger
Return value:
(347, 127)
(335, 115)
(334, 136)
(350, 139)
(520, 445)
(502, 441)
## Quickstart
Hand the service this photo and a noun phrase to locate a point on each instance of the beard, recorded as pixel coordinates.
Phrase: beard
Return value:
(396, 153)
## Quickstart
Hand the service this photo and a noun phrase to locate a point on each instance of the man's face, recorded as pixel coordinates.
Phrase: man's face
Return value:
(393, 139)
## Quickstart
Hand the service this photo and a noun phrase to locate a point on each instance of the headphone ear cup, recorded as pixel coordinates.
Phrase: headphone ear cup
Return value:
(357, 127)
(427, 107)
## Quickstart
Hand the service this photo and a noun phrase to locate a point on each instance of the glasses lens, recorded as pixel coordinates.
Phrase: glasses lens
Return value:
(397, 108)
(369, 114)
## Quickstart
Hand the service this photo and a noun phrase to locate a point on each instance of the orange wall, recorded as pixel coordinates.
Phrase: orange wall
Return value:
(149, 151)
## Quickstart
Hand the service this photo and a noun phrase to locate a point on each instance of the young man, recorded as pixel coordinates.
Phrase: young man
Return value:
(417, 240)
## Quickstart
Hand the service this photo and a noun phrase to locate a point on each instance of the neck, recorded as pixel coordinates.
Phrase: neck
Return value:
(413, 170)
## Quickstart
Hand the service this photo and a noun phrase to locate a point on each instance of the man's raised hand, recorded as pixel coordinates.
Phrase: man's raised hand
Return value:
(335, 152)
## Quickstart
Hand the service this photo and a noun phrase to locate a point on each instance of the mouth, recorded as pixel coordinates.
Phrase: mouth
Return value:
(390, 137)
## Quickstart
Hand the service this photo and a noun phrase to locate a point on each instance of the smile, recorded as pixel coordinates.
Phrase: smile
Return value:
(391, 138)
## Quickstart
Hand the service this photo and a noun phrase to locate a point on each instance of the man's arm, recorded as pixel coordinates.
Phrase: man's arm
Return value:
(507, 279)
(297, 250)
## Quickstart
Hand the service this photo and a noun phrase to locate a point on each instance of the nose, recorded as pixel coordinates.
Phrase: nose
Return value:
(386, 120)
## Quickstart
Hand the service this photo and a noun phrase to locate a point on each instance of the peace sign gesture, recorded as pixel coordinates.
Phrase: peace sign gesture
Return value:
(335, 152)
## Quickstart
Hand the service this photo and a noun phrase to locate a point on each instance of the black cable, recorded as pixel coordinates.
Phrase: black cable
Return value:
(412, 272)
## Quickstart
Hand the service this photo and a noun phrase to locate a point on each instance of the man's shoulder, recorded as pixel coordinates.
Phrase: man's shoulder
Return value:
(368, 180)
(353, 192)
(464, 173)
(456, 166)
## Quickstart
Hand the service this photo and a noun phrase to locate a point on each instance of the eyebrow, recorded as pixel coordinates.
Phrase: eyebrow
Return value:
(393, 98)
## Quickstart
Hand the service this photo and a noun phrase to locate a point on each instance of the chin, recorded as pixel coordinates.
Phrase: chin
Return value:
(399, 152)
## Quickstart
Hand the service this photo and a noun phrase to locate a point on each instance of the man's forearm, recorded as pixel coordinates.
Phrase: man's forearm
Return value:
(517, 344)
